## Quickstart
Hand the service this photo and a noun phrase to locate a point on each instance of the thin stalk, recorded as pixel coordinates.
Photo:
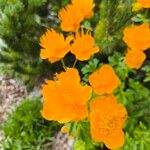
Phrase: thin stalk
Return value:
(108, 21)
(146, 13)
(63, 64)
(74, 64)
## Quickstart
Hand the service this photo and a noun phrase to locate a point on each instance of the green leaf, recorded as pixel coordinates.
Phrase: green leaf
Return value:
(79, 145)
(91, 66)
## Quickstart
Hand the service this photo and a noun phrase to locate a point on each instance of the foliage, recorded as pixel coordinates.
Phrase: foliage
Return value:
(89, 68)
(114, 16)
(139, 140)
(146, 69)
(26, 129)
(21, 24)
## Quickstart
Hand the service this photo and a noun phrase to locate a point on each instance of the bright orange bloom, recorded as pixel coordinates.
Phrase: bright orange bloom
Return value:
(65, 129)
(54, 45)
(135, 58)
(70, 18)
(144, 3)
(107, 119)
(104, 80)
(84, 46)
(65, 99)
(85, 7)
(137, 37)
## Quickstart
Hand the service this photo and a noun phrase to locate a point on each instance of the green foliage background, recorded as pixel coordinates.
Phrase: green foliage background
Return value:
(22, 22)
(25, 128)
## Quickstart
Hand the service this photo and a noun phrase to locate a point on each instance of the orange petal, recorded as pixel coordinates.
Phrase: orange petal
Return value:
(115, 140)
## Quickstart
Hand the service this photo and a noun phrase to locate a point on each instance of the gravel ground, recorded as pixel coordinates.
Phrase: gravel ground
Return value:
(12, 93)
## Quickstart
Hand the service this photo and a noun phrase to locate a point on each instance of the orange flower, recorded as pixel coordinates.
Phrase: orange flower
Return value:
(135, 58)
(85, 7)
(65, 129)
(84, 46)
(137, 37)
(144, 3)
(70, 18)
(107, 118)
(104, 80)
(54, 45)
(65, 99)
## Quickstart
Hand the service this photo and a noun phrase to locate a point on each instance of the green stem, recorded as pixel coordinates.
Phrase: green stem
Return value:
(63, 64)
(108, 7)
(74, 64)
(146, 13)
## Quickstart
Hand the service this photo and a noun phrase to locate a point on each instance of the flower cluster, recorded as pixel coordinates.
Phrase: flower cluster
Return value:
(55, 46)
(65, 98)
(137, 37)
(73, 14)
